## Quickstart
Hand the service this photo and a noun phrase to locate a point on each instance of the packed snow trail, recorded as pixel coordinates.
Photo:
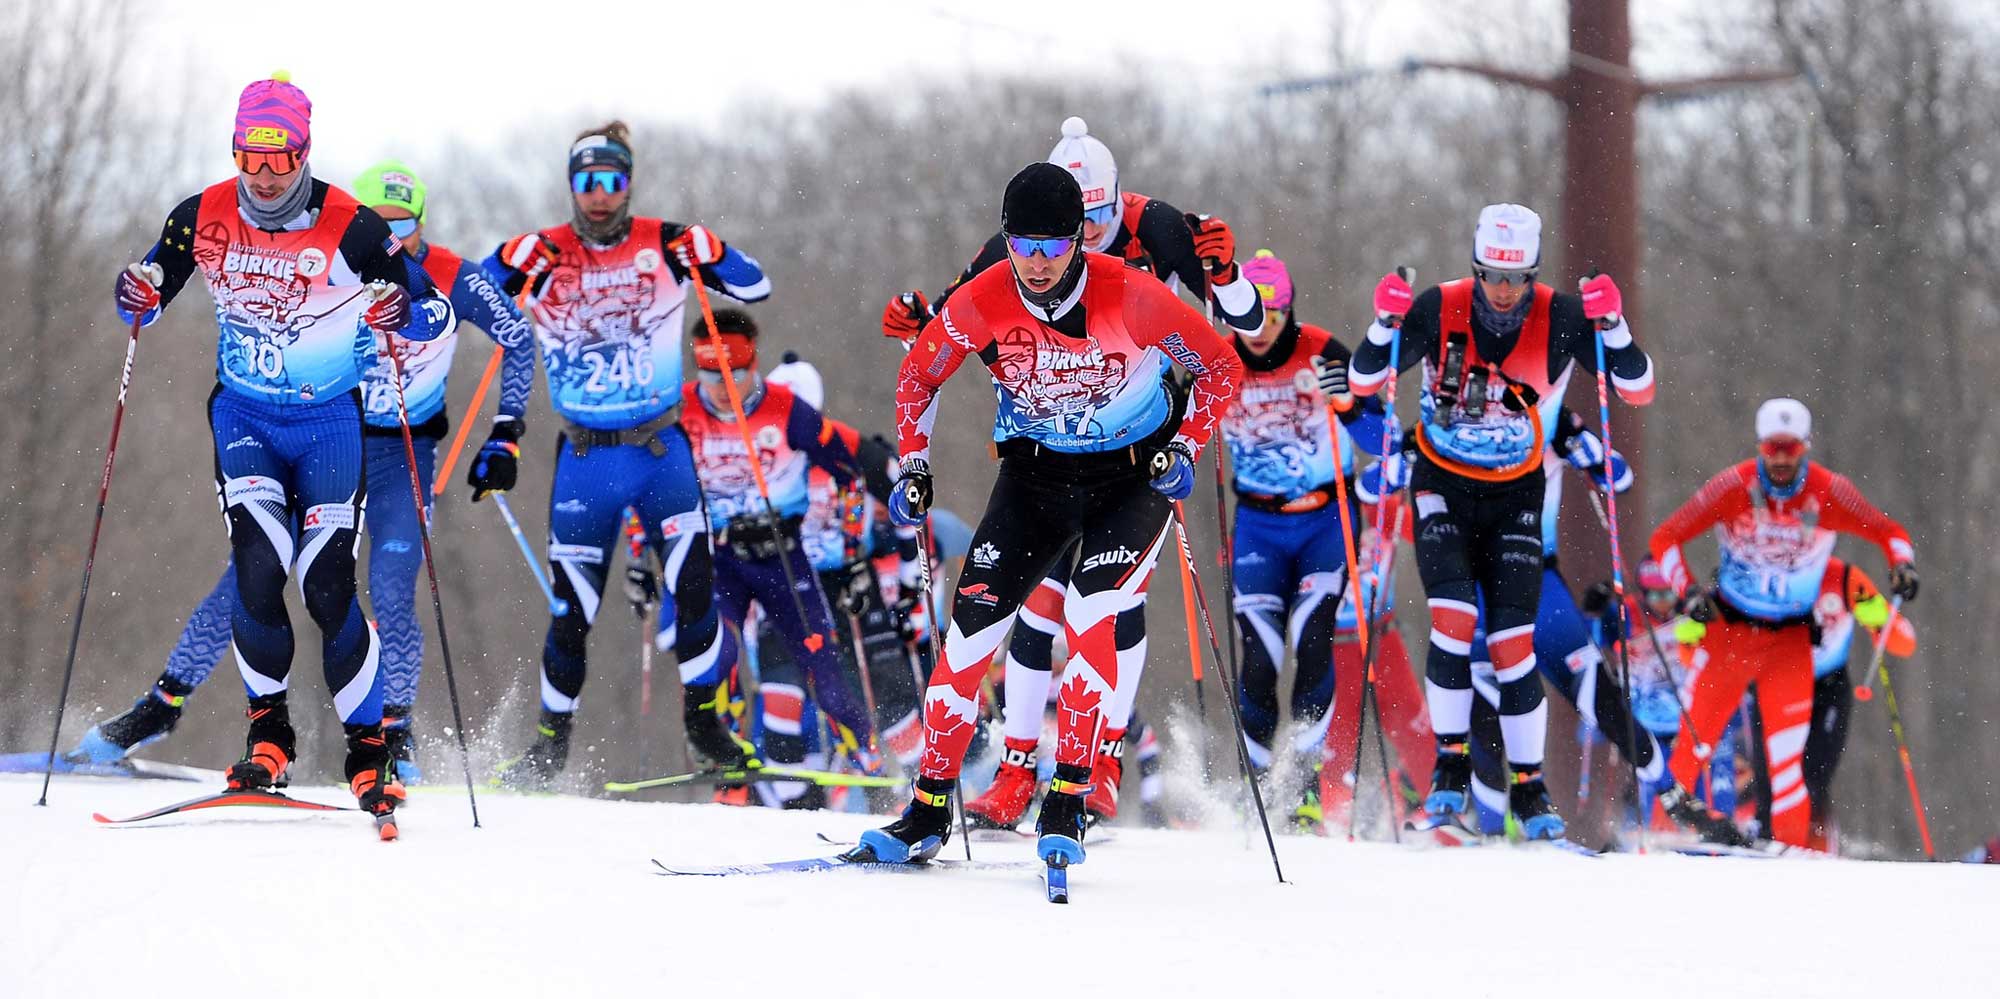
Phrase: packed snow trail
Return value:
(558, 895)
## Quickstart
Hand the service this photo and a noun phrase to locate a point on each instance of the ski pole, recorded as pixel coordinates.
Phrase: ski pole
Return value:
(1866, 692)
(1179, 517)
(1194, 644)
(937, 644)
(1909, 769)
(1225, 545)
(557, 605)
(1617, 569)
(465, 425)
(1702, 750)
(430, 565)
(814, 640)
(1377, 619)
(1365, 611)
(90, 555)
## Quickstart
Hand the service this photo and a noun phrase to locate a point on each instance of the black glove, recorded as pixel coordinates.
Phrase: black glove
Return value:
(852, 596)
(1699, 605)
(1598, 597)
(642, 589)
(498, 463)
(905, 614)
(1903, 580)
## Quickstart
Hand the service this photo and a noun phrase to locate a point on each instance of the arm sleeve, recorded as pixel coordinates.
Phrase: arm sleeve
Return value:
(1631, 369)
(995, 251)
(1369, 370)
(1845, 510)
(1160, 319)
(1702, 511)
(1363, 420)
(480, 302)
(374, 254)
(821, 441)
(175, 250)
(942, 346)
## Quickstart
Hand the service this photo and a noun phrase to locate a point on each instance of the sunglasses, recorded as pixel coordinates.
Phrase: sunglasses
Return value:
(403, 228)
(608, 181)
(282, 163)
(1102, 215)
(1781, 447)
(1050, 247)
(1508, 278)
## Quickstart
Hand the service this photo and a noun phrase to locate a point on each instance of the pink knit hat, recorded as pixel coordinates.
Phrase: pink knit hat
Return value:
(1272, 279)
(273, 116)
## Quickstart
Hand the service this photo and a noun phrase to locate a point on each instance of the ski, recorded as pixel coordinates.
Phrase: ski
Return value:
(987, 834)
(1762, 850)
(772, 772)
(836, 862)
(34, 763)
(226, 799)
(385, 827)
(1055, 880)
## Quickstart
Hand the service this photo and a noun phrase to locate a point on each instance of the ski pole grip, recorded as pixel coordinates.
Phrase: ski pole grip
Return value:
(1407, 273)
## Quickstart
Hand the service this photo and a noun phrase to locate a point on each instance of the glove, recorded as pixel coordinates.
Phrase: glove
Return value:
(138, 293)
(390, 311)
(1173, 471)
(696, 247)
(1601, 302)
(905, 613)
(852, 596)
(1601, 601)
(642, 588)
(1699, 605)
(912, 497)
(532, 257)
(1215, 245)
(1392, 300)
(1903, 580)
(905, 315)
(498, 463)
(1333, 383)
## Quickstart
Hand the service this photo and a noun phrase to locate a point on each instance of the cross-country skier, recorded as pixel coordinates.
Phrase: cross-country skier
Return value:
(1776, 517)
(1847, 598)
(1192, 252)
(1077, 343)
(1288, 543)
(608, 290)
(401, 198)
(759, 554)
(1497, 350)
(304, 278)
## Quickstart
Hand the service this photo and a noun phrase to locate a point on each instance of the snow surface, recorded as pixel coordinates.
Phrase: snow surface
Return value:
(555, 897)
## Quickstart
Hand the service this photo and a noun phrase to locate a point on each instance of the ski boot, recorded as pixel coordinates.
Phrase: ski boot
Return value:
(1308, 816)
(923, 829)
(1006, 800)
(1106, 772)
(268, 749)
(1061, 824)
(148, 721)
(708, 738)
(813, 798)
(402, 742)
(537, 768)
(371, 776)
(1451, 780)
(1528, 799)
(1710, 825)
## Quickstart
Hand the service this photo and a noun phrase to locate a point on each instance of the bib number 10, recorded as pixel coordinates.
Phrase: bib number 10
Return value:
(267, 359)
(623, 369)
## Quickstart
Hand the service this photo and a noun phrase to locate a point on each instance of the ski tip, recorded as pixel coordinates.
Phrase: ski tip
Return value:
(385, 827)
(103, 818)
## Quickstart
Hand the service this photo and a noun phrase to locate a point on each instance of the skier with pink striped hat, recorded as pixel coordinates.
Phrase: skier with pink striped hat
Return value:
(303, 278)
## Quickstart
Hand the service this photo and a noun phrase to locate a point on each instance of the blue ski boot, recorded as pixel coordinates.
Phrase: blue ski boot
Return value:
(148, 721)
(1529, 801)
(1063, 817)
(1451, 779)
(916, 837)
(402, 744)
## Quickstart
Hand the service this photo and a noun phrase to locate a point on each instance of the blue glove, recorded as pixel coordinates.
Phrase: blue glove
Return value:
(912, 497)
(1173, 471)
(1391, 473)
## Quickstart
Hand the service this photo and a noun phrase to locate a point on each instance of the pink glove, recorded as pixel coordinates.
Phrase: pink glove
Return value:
(1601, 302)
(1392, 299)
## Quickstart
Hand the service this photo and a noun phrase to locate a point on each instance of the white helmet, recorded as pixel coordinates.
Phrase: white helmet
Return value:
(1089, 162)
(802, 378)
